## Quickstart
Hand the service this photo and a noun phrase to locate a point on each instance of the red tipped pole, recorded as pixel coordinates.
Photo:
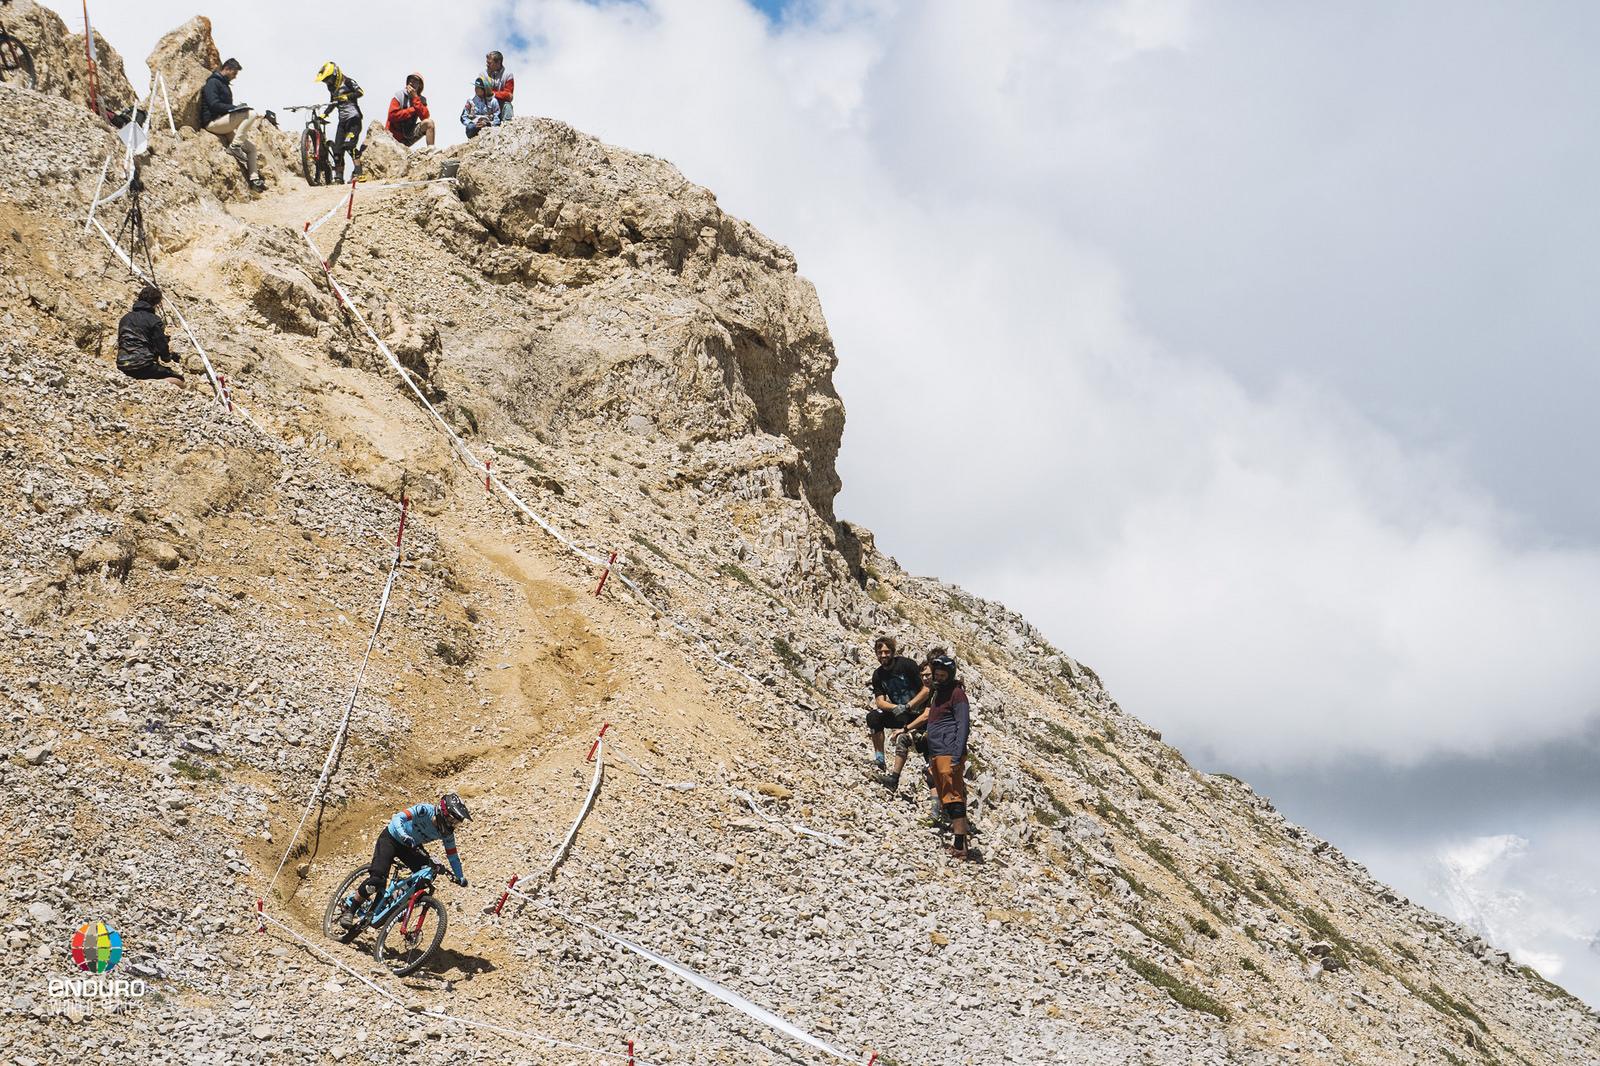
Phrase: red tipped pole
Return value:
(488, 475)
(350, 211)
(261, 916)
(630, 1053)
(88, 54)
(590, 757)
(506, 894)
(405, 502)
(605, 574)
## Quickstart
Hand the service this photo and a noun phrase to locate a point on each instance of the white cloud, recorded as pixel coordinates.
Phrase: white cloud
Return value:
(1253, 563)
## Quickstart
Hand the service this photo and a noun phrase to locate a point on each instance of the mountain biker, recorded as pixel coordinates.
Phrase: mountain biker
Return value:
(230, 122)
(343, 92)
(896, 691)
(501, 83)
(403, 838)
(482, 111)
(142, 340)
(949, 720)
(408, 120)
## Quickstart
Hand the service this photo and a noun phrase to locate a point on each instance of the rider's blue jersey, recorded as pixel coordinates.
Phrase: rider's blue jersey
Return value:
(416, 826)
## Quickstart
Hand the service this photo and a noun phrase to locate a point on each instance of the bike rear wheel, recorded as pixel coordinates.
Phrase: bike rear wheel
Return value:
(310, 157)
(405, 952)
(330, 917)
(15, 59)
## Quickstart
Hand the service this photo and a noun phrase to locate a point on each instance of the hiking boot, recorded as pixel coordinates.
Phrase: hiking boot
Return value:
(877, 760)
(237, 151)
(258, 183)
(890, 781)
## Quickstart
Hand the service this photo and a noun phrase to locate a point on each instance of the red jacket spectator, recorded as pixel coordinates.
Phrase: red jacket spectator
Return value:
(408, 113)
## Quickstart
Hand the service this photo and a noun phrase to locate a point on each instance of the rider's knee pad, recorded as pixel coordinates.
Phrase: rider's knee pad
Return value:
(955, 810)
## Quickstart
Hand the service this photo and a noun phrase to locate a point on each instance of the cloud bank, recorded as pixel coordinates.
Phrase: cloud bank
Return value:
(1004, 207)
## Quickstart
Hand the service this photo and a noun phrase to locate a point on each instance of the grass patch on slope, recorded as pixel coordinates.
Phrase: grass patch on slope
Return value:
(1182, 993)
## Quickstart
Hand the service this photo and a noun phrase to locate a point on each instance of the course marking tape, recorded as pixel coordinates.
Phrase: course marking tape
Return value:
(705, 984)
(350, 705)
(439, 1015)
(572, 834)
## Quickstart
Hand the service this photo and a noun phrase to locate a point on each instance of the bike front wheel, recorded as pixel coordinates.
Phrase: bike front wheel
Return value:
(16, 60)
(310, 153)
(330, 917)
(405, 945)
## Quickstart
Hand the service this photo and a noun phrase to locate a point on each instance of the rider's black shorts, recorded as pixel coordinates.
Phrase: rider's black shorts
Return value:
(384, 854)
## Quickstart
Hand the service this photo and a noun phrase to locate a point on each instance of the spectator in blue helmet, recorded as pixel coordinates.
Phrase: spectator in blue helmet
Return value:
(482, 111)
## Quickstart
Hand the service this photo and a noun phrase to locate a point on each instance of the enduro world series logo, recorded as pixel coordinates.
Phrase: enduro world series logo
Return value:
(96, 950)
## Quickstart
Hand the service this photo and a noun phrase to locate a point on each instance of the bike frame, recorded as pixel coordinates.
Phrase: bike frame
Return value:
(407, 891)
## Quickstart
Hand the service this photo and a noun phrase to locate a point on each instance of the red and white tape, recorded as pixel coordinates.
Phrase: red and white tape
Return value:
(343, 728)
(444, 1016)
(598, 747)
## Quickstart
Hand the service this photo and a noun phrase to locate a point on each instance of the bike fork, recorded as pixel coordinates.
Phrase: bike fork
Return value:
(412, 908)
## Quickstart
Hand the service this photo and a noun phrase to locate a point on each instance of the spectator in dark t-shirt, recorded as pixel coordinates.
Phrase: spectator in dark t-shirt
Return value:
(896, 692)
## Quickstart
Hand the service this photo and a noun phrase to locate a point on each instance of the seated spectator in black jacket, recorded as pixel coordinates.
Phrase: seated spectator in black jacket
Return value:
(230, 122)
(896, 693)
(142, 340)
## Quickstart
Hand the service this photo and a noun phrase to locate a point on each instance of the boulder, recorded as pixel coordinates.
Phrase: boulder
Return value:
(413, 340)
(383, 157)
(185, 57)
(112, 555)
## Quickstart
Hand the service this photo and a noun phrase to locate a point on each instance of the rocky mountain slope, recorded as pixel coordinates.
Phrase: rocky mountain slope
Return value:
(185, 596)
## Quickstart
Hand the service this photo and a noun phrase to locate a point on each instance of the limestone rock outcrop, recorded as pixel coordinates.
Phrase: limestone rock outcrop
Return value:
(727, 338)
(186, 57)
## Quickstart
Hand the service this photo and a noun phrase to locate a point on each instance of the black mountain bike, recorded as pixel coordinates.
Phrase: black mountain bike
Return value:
(409, 920)
(16, 63)
(316, 157)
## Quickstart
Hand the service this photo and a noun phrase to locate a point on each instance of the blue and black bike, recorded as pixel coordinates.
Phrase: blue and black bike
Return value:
(409, 920)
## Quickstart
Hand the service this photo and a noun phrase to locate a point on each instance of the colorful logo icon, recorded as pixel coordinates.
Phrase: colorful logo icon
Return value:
(96, 947)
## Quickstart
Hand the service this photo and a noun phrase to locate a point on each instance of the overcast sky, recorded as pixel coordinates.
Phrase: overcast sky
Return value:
(1249, 343)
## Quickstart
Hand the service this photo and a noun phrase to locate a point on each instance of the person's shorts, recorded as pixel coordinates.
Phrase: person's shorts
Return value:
(949, 777)
(411, 136)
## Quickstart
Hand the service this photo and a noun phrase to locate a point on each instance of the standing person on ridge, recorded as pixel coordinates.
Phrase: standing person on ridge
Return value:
(230, 122)
(402, 839)
(501, 83)
(343, 92)
(949, 720)
(408, 120)
(482, 111)
(142, 340)
(896, 692)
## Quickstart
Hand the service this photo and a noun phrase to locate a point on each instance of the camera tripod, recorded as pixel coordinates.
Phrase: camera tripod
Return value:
(132, 229)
